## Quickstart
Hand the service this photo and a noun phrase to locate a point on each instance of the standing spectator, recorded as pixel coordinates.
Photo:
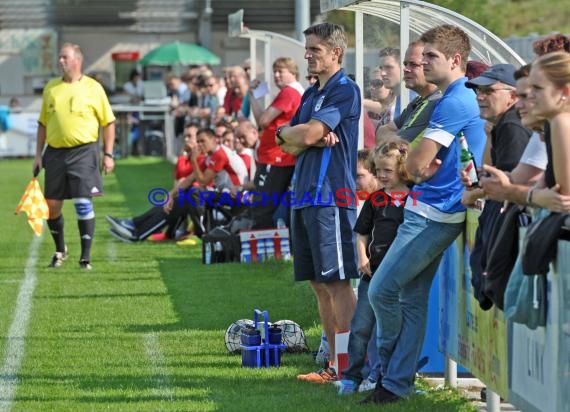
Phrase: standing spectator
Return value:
(496, 97)
(73, 108)
(210, 101)
(375, 229)
(391, 73)
(232, 102)
(273, 163)
(325, 132)
(550, 93)
(311, 78)
(433, 218)
(179, 97)
(381, 99)
(414, 119)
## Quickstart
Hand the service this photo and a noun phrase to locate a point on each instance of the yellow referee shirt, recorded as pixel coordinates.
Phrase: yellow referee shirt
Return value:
(73, 112)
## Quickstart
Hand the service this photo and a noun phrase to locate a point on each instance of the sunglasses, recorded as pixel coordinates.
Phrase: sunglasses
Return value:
(376, 83)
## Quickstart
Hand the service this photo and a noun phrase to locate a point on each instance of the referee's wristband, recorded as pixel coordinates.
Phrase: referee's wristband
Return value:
(109, 155)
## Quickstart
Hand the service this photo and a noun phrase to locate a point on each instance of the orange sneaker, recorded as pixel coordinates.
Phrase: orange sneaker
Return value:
(325, 375)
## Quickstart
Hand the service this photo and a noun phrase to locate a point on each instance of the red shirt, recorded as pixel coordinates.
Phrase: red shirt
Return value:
(269, 152)
(229, 167)
(232, 103)
(184, 167)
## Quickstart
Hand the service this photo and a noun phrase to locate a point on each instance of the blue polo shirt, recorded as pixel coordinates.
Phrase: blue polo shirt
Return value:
(439, 197)
(327, 176)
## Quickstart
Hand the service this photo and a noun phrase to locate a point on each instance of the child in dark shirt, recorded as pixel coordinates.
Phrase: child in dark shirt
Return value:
(376, 228)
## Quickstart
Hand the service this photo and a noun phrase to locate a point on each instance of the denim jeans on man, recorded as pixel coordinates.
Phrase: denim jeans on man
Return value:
(361, 330)
(399, 294)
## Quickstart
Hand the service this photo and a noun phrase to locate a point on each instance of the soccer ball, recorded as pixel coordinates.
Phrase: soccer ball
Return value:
(292, 336)
(233, 335)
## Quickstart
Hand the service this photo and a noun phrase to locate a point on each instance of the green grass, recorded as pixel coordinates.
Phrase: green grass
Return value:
(144, 331)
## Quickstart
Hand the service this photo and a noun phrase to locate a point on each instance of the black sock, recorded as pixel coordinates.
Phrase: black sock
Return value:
(56, 230)
(86, 232)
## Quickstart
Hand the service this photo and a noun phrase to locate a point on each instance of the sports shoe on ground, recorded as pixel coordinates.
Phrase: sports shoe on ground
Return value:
(346, 387)
(85, 265)
(367, 385)
(159, 237)
(124, 226)
(58, 258)
(325, 375)
(380, 395)
(121, 237)
(189, 241)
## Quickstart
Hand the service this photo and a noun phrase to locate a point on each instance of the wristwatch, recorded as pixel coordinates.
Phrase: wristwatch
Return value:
(109, 155)
(278, 134)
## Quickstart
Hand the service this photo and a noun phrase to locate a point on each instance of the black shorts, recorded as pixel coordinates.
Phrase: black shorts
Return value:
(72, 172)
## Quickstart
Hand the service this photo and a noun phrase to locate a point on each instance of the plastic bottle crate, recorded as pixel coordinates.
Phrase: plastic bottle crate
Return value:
(268, 352)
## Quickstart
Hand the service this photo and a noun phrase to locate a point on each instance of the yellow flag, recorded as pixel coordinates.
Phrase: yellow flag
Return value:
(34, 205)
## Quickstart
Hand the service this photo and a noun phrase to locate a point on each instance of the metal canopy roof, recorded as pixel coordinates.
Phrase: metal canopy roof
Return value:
(417, 16)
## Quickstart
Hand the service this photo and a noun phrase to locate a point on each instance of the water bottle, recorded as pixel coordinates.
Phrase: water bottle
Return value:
(285, 249)
(245, 255)
(207, 253)
(250, 337)
(468, 161)
(275, 337)
(281, 223)
(269, 249)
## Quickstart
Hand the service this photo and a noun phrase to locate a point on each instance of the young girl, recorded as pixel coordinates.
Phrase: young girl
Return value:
(376, 228)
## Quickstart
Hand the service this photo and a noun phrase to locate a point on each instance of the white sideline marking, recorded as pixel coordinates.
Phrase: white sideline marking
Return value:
(158, 362)
(16, 339)
(111, 251)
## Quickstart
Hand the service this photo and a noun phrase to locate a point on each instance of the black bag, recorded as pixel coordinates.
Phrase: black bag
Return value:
(220, 246)
(480, 251)
(502, 253)
(541, 243)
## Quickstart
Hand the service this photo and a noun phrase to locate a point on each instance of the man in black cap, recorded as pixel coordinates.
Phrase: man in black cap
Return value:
(496, 97)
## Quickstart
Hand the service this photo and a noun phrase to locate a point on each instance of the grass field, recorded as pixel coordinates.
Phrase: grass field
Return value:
(144, 330)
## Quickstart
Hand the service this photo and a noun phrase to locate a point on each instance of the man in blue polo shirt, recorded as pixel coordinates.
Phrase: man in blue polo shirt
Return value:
(399, 289)
(325, 133)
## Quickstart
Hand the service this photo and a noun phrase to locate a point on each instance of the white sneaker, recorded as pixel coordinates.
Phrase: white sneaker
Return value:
(367, 385)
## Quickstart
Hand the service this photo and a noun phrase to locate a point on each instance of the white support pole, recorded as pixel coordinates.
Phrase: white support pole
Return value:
(404, 41)
(359, 67)
(493, 401)
(267, 68)
(450, 372)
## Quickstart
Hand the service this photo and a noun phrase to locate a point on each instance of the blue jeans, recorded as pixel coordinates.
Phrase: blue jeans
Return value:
(399, 294)
(361, 329)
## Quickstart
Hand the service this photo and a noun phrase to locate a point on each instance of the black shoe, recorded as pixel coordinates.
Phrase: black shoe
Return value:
(85, 265)
(380, 395)
(58, 258)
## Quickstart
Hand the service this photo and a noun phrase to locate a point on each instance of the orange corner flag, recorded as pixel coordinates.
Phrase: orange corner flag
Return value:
(34, 205)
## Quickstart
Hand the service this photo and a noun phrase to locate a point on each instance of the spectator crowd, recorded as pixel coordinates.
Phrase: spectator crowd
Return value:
(514, 122)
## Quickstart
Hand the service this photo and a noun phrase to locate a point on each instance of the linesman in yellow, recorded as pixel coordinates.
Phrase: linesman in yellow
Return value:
(74, 107)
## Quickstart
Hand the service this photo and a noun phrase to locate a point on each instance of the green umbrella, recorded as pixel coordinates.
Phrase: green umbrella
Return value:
(179, 53)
